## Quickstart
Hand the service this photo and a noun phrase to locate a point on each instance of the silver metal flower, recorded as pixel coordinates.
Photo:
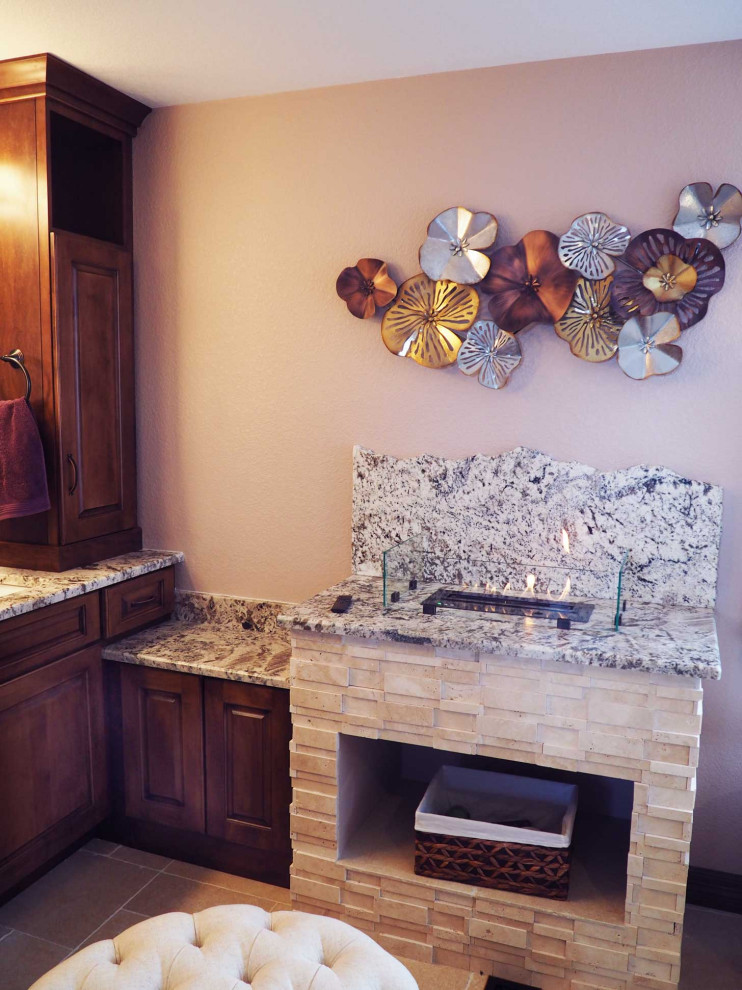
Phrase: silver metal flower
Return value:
(591, 244)
(645, 346)
(453, 249)
(491, 352)
(715, 217)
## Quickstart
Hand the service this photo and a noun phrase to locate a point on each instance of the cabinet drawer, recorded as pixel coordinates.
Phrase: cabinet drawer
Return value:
(134, 604)
(29, 641)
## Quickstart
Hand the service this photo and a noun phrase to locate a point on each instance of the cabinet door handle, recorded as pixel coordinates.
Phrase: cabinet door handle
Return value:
(140, 602)
(73, 487)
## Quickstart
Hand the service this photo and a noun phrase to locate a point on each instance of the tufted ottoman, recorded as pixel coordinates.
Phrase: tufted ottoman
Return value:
(234, 947)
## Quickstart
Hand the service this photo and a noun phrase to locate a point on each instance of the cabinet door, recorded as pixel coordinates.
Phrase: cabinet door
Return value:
(248, 730)
(162, 730)
(52, 761)
(92, 303)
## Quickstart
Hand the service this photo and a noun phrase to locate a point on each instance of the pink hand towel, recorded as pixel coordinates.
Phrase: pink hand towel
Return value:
(23, 489)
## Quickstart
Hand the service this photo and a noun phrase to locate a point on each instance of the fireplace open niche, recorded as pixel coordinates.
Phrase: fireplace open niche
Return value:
(380, 784)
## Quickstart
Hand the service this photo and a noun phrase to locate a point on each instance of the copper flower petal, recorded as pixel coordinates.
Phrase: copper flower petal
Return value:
(645, 348)
(491, 352)
(366, 286)
(426, 319)
(557, 283)
(453, 246)
(714, 217)
(589, 326)
(631, 297)
(528, 283)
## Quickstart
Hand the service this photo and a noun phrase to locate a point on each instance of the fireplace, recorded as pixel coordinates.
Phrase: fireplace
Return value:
(578, 659)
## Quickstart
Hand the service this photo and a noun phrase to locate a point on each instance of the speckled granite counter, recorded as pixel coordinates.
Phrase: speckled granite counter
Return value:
(656, 638)
(208, 637)
(35, 589)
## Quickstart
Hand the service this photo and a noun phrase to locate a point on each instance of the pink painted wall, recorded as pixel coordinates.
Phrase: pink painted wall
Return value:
(254, 381)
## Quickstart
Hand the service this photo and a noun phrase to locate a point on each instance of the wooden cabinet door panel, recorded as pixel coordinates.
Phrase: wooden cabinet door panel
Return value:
(52, 754)
(162, 730)
(91, 292)
(247, 758)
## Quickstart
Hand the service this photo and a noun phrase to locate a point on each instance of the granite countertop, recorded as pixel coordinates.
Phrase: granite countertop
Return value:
(234, 639)
(656, 638)
(36, 589)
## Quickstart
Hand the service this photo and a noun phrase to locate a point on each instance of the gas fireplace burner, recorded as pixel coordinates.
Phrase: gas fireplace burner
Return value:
(565, 613)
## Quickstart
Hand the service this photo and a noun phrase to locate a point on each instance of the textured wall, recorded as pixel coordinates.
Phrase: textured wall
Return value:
(254, 381)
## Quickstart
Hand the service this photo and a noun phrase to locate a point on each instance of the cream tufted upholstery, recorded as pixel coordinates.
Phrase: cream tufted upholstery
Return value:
(234, 947)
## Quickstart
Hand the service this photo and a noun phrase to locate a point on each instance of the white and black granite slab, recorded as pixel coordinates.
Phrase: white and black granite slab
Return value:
(655, 638)
(37, 589)
(516, 504)
(212, 649)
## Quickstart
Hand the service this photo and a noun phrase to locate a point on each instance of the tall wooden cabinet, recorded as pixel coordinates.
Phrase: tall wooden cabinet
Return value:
(66, 302)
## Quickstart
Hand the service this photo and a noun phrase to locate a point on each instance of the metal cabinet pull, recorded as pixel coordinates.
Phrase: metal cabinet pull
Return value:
(140, 602)
(71, 460)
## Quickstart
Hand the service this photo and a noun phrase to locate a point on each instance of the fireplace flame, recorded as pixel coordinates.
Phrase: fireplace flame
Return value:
(530, 583)
(565, 540)
(566, 589)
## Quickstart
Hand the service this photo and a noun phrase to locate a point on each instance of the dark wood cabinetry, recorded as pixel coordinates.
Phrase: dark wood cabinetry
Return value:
(247, 729)
(202, 769)
(54, 765)
(163, 752)
(66, 302)
(53, 777)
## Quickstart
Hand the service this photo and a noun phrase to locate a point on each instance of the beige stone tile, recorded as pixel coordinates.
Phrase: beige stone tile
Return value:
(168, 892)
(23, 959)
(118, 923)
(431, 976)
(265, 891)
(140, 858)
(77, 896)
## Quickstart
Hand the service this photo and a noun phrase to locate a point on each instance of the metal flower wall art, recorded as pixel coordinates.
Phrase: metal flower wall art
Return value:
(455, 244)
(366, 286)
(605, 294)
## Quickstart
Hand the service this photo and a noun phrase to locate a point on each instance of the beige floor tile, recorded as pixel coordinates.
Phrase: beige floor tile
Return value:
(141, 858)
(23, 959)
(171, 893)
(100, 846)
(712, 950)
(77, 896)
(265, 891)
(114, 926)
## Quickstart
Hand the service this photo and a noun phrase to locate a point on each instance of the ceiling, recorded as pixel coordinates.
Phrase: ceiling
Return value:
(185, 51)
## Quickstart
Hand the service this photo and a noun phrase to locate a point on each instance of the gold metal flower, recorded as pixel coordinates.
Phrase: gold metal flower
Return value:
(426, 318)
(590, 326)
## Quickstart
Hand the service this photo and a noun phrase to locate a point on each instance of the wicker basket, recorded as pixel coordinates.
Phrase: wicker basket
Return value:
(490, 855)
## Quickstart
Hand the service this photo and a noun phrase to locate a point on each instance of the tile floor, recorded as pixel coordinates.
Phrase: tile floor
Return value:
(103, 889)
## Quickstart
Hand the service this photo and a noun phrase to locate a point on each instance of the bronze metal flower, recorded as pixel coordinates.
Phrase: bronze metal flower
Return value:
(591, 244)
(426, 319)
(645, 346)
(668, 274)
(453, 249)
(490, 352)
(528, 283)
(590, 326)
(714, 216)
(366, 286)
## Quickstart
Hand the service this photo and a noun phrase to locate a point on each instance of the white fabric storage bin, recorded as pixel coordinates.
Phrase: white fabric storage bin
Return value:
(492, 798)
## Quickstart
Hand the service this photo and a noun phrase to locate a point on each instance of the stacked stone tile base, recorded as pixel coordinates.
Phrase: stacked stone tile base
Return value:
(633, 725)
